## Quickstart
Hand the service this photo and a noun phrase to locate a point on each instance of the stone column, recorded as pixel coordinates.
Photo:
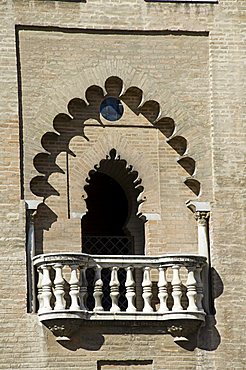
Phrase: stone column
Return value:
(203, 238)
(201, 211)
(31, 209)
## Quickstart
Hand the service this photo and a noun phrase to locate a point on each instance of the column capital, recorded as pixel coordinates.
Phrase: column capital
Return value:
(201, 211)
(31, 207)
(202, 217)
(196, 206)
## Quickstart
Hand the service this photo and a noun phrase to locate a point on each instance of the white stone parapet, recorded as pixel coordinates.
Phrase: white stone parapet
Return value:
(170, 287)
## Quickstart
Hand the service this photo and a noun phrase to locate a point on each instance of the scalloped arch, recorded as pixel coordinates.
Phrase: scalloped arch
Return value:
(68, 126)
(124, 173)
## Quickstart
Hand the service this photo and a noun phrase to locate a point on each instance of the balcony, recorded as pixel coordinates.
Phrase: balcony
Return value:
(137, 290)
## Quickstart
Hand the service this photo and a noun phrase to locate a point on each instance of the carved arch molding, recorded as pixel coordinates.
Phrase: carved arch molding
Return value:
(67, 126)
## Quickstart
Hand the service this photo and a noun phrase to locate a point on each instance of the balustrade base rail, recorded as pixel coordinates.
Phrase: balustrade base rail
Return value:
(124, 316)
(150, 289)
(180, 325)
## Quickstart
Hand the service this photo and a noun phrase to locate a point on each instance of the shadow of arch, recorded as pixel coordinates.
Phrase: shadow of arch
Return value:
(70, 125)
(166, 126)
(179, 144)
(43, 220)
(208, 337)
(188, 164)
(41, 187)
(194, 185)
(150, 110)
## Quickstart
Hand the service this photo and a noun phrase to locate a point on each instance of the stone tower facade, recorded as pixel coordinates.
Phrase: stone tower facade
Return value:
(122, 184)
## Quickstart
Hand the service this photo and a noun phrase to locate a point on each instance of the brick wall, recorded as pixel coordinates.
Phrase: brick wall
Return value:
(191, 63)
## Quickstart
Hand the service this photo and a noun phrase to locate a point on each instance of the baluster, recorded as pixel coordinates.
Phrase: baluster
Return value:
(114, 290)
(176, 285)
(59, 287)
(83, 289)
(199, 288)
(40, 290)
(130, 290)
(191, 289)
(46, 289)
(147, 290)
(74, 288)
(98, 290)
(162, 285)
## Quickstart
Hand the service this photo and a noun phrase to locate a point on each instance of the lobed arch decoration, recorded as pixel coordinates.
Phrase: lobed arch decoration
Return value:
(118, 168)
(101, 189)
(66, 126)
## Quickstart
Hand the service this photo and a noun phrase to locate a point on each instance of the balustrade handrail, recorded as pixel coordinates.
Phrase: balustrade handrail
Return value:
(83, 259)
(132, 287)
(128, 280)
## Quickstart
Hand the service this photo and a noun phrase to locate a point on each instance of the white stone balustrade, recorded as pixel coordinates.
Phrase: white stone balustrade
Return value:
(98, 289)
(175, 292)
(114, 290)
(130, 290)
(162, 290)
(59, 287)
(147, 290)
(83, 289)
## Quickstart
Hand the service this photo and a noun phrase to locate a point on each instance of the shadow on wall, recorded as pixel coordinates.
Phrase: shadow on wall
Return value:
(44, 218)
(92, 341)
(208, 337)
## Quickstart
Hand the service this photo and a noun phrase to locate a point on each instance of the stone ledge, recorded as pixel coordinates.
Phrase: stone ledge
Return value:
(180, 325)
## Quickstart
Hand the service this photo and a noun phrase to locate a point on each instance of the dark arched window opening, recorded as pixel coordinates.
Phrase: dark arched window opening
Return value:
(112, 225)
(104, 225)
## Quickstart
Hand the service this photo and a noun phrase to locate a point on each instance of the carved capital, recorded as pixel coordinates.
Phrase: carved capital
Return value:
(202, 217)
